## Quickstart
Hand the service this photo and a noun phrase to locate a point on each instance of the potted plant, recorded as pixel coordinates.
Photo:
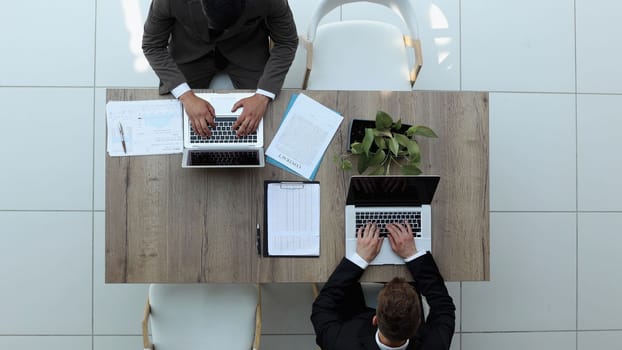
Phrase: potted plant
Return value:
(383, 144)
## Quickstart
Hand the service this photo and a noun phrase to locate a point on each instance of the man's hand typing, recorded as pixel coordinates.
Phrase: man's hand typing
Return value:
(254, 109)
(200, 112)
(368, 242)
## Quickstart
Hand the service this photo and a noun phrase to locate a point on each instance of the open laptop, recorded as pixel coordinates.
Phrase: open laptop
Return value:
(223, 149)
(387, 199)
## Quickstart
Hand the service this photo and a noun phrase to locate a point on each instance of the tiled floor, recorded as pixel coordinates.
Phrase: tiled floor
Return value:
(553, 72)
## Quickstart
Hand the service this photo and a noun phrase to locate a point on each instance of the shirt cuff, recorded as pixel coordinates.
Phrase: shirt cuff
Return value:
(180, 90)
(358, 261)
(266, 93)
(415, 256)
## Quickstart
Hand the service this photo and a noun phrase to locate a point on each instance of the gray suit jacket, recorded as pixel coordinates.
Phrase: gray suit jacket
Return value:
(176, 32)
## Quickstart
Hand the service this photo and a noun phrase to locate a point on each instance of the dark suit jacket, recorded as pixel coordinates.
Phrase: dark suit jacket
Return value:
(176, 31)
(342, 322)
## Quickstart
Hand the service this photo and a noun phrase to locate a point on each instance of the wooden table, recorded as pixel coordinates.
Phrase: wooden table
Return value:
(168, 224)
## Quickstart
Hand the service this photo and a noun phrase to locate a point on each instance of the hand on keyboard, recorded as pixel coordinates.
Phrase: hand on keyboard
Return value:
(200, 113)
(254, 109)
(368, 242)
(401, 239)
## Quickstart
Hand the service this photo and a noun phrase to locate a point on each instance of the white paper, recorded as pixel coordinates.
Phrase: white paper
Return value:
(149, 127)
(293, 219)
(304, 135)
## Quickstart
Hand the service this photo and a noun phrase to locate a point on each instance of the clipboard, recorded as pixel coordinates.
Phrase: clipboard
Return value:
(291, 219)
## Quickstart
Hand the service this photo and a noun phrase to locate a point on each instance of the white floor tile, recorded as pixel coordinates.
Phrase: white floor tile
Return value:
(532, 152)
(120, 59)
(287, 342)
(46, 273)
(599, 144)
(286, 308)
(599, 284)
(47, 343)
(47, 43)
(598, 56)
(99, 155)
(46, 146)
(519, 341)
(455, 342)
(533, 276)
(117, 343)
(599, 340)
(525, 45)
(438, 25)
(455, 293)
(118, 308)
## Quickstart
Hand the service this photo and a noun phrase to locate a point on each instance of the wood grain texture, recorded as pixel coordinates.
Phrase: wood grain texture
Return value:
(168, 224)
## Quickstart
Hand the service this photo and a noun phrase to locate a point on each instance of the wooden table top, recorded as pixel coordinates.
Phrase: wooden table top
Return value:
(168, 224)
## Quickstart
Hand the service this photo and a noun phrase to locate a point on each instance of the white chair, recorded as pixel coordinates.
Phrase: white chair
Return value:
(202, 316)
(362, 55)
(221, 81)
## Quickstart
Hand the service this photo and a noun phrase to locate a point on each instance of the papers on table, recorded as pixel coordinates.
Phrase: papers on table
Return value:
(144, 127)
(293, 219)
(305, 133)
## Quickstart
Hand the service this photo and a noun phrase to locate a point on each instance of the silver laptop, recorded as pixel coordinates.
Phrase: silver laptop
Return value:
(387, 199)
(223, 149)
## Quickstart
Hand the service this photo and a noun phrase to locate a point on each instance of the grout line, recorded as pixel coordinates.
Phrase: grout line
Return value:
(576, 114)
(93, 180)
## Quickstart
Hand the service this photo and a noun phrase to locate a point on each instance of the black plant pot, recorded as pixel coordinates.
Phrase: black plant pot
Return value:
(357, 131)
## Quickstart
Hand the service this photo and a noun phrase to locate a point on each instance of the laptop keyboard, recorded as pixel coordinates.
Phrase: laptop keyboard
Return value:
(223, 133)
(224, 158)
(383, 218)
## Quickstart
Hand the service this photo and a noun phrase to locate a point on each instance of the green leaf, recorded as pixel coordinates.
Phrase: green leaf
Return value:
(393, 145)
(363, 163)
(377, 158)
(367, 140)
(413, 148)
(380, 142)
(346, 164)
(378, 171)
(410, 169)
(379, 133)
(383, 121)
(397, 125)
(421, 131)
(401, 139)
(356, 147)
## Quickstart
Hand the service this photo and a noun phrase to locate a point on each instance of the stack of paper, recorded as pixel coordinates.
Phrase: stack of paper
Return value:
(144, 127)
(305, 133)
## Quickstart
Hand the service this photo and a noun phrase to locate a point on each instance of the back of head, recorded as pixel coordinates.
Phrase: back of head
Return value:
(222, 14)
(399, 310)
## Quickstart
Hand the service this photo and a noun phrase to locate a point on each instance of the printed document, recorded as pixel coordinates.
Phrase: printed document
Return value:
(144, 127)
(305, 133)
(293, 211)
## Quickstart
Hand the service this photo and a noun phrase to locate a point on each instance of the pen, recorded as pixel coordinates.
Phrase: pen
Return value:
(122, 138)
(258, 241)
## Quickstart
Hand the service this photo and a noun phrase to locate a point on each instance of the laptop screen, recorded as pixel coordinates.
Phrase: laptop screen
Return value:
(391, 190)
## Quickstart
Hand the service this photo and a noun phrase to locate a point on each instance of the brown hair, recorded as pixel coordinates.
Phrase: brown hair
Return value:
(399, 310)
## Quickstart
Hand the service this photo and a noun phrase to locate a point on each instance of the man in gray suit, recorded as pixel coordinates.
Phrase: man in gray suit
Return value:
(188, 41)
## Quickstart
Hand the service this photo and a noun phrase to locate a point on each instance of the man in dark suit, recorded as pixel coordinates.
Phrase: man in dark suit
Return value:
(342, 321)
(188, 41)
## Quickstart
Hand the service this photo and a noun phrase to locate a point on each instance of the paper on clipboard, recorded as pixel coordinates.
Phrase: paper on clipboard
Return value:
(293, 219)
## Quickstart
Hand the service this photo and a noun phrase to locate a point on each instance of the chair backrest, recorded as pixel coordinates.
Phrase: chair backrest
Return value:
(203, 316)
(352, 41)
